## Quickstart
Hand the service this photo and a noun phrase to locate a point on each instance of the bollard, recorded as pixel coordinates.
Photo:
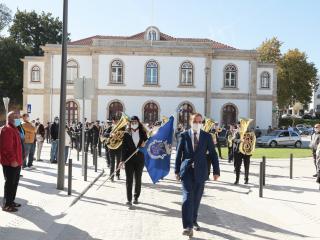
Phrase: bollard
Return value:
(78, 154)
(264, 170)
(70, 176)
(291, 165)
(96, 161)
(85, 165)
(261, 180)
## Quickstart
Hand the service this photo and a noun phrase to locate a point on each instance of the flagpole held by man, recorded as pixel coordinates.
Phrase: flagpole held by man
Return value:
(191, 167)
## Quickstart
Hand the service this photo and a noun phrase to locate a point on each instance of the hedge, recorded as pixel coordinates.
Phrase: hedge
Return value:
(293, 122)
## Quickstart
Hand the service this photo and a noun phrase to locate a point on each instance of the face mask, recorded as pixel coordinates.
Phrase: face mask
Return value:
(56, 121)
(17, 122)
(134, 126)
(196, 127)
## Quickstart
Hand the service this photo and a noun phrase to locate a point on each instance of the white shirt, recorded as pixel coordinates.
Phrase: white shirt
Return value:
(135, 137)
(192, 136)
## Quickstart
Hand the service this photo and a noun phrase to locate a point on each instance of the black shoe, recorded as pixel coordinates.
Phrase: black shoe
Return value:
(118, 177)
(246, 182)
(129, 204)
(188, 232)
(236, 182)
(135, 201)
(318, 179)
(315, 175)
(196, 226)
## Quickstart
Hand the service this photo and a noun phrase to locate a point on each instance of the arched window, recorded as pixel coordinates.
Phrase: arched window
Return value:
(72, 112)
(151, 73)
(229, 114)
(265, 80)
(186, 74)
(230, 76)
(72, 71)
(116, 72)
(150, 113)
(185, 111)
(152, 35)
(115, 110)
(35, 74)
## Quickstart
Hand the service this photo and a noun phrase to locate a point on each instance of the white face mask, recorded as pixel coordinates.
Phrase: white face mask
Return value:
(196, 127)
(134, 126)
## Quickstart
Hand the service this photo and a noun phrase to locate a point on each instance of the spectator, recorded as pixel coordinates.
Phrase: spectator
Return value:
(269, 130)
(11, 160)
(29, 139)
(54, 132)
(315, 140)
(39, 138)
(257, 132)
(67, 144)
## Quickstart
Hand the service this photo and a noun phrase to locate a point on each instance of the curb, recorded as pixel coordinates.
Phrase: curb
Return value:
(86, 189)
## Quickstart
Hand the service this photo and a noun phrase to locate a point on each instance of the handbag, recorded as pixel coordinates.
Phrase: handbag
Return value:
(39, 138)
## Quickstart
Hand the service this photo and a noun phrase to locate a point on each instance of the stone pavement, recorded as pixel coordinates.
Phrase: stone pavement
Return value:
(289, 210)
(41, 202)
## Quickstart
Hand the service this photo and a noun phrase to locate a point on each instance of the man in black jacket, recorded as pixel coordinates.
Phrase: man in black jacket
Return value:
(54, 132)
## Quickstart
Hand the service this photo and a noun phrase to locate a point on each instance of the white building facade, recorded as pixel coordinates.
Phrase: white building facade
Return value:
(151, 75)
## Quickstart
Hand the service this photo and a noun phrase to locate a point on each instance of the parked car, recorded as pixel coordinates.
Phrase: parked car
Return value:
(280, 138)
(307, 116)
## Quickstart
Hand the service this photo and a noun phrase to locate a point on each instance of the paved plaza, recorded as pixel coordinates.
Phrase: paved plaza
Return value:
(289, 209)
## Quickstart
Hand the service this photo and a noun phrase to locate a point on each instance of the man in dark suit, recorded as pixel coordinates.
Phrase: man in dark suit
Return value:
(191, 168)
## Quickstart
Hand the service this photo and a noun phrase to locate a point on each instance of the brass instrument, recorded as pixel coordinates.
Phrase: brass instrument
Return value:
(208, 124)
(247, 139)
(219, 130)
(230, 138)
(116, 135)
(164, 120)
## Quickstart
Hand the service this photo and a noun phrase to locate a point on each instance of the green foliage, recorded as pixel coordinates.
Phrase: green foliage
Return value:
(293, 122)
(269, 51)
(11, 73)
(297, 79)
(34, 30)
(5, 16)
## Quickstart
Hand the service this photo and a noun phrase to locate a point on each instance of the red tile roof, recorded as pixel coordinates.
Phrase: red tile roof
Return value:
(140, 36)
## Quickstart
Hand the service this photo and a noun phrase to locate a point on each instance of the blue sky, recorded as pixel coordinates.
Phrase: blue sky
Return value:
(243, 24)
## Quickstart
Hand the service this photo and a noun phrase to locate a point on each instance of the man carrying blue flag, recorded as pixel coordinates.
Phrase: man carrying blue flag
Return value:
(191, 168)
(157, 152)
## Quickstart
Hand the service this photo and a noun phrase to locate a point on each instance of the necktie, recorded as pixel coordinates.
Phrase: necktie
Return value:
(195, 141)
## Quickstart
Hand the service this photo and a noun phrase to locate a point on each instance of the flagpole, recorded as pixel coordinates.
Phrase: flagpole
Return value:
(119, 167)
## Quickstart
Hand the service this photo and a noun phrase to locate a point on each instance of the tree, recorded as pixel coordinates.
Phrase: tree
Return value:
(11, 73)
(33, 30)
(269, 51)
(5, 16)
(297, 78)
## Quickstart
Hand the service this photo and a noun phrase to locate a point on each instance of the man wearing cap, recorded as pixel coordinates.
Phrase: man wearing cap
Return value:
(11, 160)
(315, 140)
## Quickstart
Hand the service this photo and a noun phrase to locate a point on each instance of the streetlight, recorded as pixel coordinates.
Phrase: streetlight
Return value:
(62, 125)
(6, 101)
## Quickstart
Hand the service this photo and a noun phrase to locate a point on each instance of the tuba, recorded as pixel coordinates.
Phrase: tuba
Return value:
(248, 139)
(208, 124)
(117, 133)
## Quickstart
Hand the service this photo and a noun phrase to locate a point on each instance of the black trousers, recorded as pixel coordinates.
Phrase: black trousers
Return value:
(314, 154)
(238, 158)
(115, 158)
(134, 168)
(230, 154)
(11, 176)
(107, 150)
(209, 164)
(99, 148)
(218, 145)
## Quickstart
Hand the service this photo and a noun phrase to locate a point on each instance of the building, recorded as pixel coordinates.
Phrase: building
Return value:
(315, 104)
(152, 74)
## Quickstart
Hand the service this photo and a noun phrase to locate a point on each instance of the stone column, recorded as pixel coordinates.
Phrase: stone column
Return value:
(47, 89)
(207, 96)
(253, 92)
(95, 78)
(274, 97)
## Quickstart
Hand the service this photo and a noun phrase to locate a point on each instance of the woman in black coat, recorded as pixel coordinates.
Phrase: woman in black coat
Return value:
(134, 138)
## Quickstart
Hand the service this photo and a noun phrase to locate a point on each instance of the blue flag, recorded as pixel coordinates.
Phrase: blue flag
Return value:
(157, 152)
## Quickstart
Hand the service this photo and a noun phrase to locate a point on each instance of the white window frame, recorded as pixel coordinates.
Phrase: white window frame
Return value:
(230, 82)
(35, 74)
